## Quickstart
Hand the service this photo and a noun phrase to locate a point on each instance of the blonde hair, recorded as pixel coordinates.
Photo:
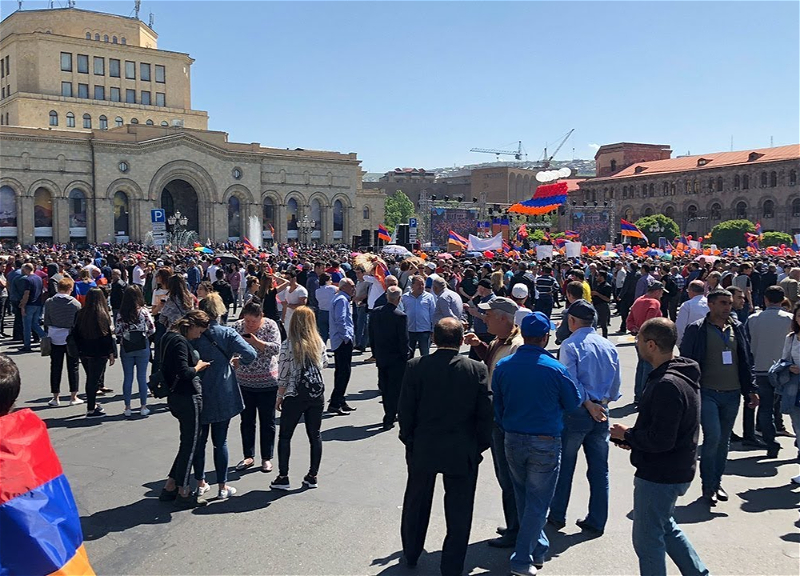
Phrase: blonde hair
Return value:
(497, 280)
(213, 305)
(307, 346)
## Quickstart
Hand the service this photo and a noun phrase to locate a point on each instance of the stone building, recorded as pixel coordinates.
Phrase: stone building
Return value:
(699, 191)
(88, 162)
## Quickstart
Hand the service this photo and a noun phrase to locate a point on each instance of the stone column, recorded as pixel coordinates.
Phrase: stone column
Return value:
(103, 216)
(61, 220)
(25, 220)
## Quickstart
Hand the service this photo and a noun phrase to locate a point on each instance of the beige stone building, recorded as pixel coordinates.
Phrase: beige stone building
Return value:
(98, 129)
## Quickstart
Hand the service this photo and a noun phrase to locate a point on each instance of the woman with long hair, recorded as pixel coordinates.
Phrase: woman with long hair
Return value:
(301, 393)
(222, 398)
(133, 326)
(177, 302)
(180, 369)
(259, 384)
(162, 282)
(268, 290)
(204, 289)
(789, 400)
(498, 285)
(95, 342)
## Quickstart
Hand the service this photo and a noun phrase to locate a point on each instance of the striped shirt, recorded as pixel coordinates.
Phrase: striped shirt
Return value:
(545, 285)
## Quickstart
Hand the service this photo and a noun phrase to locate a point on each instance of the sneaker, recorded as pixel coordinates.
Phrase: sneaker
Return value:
(96, 413)
(144, 411)
(280, 483)
(226, 492)
(55, 403)
(190, 501)
(310, 481)
(76, 402)
(168, 495)
(127, 412)
(203, 489)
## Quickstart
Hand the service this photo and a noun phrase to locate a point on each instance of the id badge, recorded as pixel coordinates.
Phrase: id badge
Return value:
(727, 357)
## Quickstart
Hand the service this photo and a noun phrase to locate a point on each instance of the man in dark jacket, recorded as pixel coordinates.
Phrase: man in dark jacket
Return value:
(663, 445)
(719, 344)
(445, 423)
(389, 343)
(627, 295)
(520, 277)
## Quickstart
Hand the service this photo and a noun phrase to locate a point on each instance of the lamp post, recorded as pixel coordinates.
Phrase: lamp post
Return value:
(178, 224)
(306, 226)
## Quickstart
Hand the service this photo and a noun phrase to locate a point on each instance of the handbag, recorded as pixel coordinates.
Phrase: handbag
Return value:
(157, 383)
(46, 345)
(134, 341)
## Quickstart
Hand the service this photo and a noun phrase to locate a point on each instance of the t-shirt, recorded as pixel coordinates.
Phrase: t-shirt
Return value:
(293, 298)
(33, 285)
(604, 289)
(716, 375)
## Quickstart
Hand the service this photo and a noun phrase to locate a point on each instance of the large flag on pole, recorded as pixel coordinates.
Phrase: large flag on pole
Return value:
(383, 233)
(630, 230)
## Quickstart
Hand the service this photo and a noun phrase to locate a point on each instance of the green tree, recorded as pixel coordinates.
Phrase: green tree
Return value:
(731, 233)
(776, 239)
(398, 209)
(647, 224)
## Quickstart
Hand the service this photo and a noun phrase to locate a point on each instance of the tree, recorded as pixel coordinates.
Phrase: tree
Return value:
(731, 233)
(398, 209)
(648, 224)
(776, 239)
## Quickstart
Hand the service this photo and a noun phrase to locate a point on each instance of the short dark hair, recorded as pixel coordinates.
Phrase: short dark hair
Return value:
(774, 294)
(448, 333)
(718, 293)
(575, 289)
(9, 384)
(662, 331)
(252, 309)
(735, 290)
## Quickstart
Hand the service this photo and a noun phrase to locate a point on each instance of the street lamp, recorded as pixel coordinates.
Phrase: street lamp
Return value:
(306, 226)
(179, 219)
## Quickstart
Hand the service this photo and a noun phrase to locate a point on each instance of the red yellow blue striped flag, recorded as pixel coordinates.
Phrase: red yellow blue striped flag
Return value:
(383, 233)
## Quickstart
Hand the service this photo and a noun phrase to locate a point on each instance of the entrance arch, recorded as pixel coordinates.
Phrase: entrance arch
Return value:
(180, 196)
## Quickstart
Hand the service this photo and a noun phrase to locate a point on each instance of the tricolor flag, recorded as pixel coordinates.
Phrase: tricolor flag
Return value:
(506, 247)
(522, 232)
(383, 233)
(457, 241)
(248, 245)
(796, 244)
(547, 237)
(752, 240)
(39, 521)
(630, 230)
(758, 231)
(571, 235)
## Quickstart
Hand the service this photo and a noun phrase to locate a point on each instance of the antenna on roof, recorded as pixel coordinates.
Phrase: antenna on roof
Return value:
(70, 3)
(136, 7)
(152, 20)
(20, 4)
(731, 142)
(771, 144)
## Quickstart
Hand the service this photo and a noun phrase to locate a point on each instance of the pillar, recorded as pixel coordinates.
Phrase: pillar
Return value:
(25, 220)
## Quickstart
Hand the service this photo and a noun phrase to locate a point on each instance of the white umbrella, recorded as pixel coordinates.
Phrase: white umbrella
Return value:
(395, 250)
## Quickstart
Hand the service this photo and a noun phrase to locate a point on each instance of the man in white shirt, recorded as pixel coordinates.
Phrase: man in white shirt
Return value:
(212, 270)
(695, 308)
(139, 274)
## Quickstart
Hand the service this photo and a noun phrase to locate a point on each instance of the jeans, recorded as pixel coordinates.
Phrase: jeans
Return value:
(343, 357)
(3, 306)
(421, 339)
(503, 474)
(16, 331)
(643, 369)
(323, 324)
(544, 304)
(655, 533)
(31, 321)
(57, 355)
(581, 430)
(186, 409)
(766, 411)
(794, 414)
(140, 359)
(362, 318)
(533, 462)
(95, 368)
(258, 402)
(292, 409)
(219, 438)
(718, 412)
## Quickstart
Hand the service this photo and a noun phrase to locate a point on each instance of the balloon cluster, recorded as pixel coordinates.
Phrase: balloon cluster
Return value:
(550, 175)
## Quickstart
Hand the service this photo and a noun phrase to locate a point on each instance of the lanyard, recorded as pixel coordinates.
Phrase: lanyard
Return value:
(725, 335)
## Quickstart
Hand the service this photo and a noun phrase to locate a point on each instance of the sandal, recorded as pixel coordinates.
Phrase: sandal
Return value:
(244, 464)
(266, 466)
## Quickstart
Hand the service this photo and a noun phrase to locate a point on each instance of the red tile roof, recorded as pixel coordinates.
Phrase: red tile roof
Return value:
(573, 184)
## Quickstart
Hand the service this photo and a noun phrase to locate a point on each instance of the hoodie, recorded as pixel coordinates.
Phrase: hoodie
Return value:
(664, 439)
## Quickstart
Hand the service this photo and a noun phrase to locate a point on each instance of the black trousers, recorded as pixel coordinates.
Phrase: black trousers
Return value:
(603, 318)
(186, 409)
(259, 403)
(57, 355)
(292, 410)
(459, 499)
(343, 357)
(3, 306)
(95, 369)
(390, 379)
(624, 309)
(16, 332)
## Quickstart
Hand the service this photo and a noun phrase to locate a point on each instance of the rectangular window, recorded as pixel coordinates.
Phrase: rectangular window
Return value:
(160, 74)
(8, 73)
(130, 70)
(99, 66)
(144, 71)
(83, 90)
(4, 91)
(160, 99)
(113, 67)
(145, 98)
(83, 64)
(130, 96)
(2, 68)
(99, 92)
(66, 62)
(115, 94)
(66, 89)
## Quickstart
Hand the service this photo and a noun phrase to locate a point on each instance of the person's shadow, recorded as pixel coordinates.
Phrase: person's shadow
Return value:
(480, 556)
(351, 433)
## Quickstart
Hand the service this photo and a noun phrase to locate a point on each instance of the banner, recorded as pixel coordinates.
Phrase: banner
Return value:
(544, 251)
(483, 244)
(573, 249)
(695, 245)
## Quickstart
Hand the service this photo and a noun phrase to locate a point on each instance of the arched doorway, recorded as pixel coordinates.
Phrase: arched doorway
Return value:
(338, 221)
(43, 215)
(316, 216)
(291, 219)
(8, 213)
(180, 196)
(268, 219)
(122, 232)
(234, 219)
(77, 215)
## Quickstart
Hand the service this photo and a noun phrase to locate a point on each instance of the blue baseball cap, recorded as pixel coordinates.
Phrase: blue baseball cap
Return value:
(536, 325)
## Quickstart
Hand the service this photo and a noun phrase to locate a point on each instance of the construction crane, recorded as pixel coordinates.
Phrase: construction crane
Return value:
(545, 162)
(517, 154)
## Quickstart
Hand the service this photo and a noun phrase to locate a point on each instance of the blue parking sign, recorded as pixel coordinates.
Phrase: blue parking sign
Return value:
(158, 215)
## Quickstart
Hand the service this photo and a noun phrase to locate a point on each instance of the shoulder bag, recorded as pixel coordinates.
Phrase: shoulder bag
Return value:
(157, 383)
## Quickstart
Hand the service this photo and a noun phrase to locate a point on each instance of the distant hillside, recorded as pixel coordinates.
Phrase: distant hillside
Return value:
(584, 168)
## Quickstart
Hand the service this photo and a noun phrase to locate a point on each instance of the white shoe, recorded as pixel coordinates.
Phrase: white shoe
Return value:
(796, 479)
(144, 411)
(203, 489)
(226, 492)
(127, 412)
(76, 402)
(55, 403)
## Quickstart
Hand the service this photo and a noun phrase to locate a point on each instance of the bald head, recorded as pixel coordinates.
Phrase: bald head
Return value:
(393, 294)
(696, 287)
(448, 333)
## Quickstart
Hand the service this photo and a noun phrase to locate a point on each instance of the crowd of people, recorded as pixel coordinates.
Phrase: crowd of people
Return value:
(248, 333)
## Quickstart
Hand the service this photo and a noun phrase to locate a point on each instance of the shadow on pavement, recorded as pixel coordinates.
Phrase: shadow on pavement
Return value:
(351, 433)
(696, 512)
(246, 502)
(622, 411)
(364, 394)
(758, 466)
(122, 518)
(770, 498)
(480, 557)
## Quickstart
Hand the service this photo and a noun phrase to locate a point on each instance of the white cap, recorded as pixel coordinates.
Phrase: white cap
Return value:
(431, 265)
(519, 290)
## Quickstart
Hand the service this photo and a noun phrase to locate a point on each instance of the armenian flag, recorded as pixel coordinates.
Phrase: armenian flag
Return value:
(39, 521)
(456, 241)
(758, 231)
(248, 245)
(796, 244)
(522, 232)
(631, 230)
(383, 233)
(547, 198)
(752, 240)
(571, 235)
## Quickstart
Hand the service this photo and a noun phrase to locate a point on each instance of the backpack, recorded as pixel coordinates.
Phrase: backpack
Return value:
(157, 383)
(309, 382)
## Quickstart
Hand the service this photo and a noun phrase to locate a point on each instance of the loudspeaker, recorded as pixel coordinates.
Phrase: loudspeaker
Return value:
(402, 233)
(365, 238)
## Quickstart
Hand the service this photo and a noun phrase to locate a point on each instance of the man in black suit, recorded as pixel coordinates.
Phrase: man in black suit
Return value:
(389, 343)
(445, 423)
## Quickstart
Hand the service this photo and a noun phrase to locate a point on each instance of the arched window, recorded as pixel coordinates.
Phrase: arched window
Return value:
(716, 211)
(87, 121)
(316, 216)
(338, 220)
(792, 177)
(665, 189)
(691, 212)
(648, 211)
(134, 120)
(763, 179)
(103, 123)
(113, 39)
(234, 219)
(796, 207)
(611, 193)
(268, 219)
(741, 209)
(652, 190)
(43, 213)
(77, 213)
(97, 37)
(720, 184)
(88, 35)
(624, 191)
(105, 38)
(670, 212)
(121, 213)
(746, 182)
(629, 214)
(366, 212)
(768, 209)
(773, 179)
(8, 212)
(736, 182)
(118, 121)
(672, 189)
(53, 118)
(291, 219)
(696, 186)
(711, 183)
(123, 40)
(613, 165)
(70, 120)
(164, 123)
(149, 122)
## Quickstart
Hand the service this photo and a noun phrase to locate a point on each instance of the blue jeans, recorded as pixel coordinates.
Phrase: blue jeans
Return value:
(362, 316)
(219, 437)
(643, 369)
(33, 315)
(718, 412)
(766, 411)
(655, 533)
(581, 430)
(323, 325)
(139, 359)
(533, 462)
(503, 474)
(421, 339)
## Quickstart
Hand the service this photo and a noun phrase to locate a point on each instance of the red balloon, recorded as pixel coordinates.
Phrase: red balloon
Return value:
(783, 246)
(689, 237)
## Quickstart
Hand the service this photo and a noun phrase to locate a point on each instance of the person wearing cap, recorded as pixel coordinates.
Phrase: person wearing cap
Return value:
(520, 277)
(140, 272)
(211, 271)
(574, 293)
(420, 307)
(532, 390)
(429, 270)
(644, 308)
(482, 296)
(593, 362)
(519, 294)
(448, 303)
(499, 317)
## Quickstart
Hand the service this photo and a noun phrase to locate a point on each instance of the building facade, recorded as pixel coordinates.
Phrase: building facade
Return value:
(89, 165)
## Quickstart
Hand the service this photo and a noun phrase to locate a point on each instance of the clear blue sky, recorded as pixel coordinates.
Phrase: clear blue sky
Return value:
(420, 83)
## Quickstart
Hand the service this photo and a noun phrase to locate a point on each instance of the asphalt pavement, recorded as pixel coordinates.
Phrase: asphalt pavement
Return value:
(351, 523)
